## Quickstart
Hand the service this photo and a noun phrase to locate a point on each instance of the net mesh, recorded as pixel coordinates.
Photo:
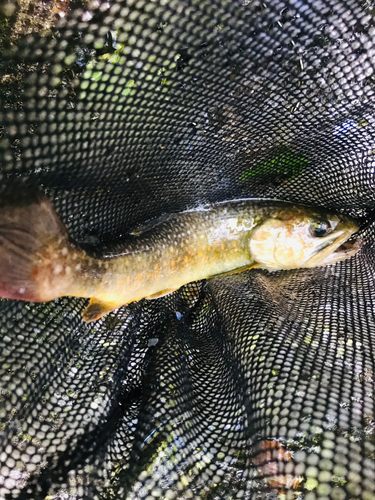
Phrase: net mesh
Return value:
(254, 385)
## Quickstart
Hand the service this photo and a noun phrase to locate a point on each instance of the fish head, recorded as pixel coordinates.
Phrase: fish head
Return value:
(302, 237)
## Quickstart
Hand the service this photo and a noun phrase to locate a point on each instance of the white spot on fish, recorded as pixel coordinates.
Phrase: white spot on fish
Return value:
(75, 256)
(78, 267)
(22, 290)
(64, 251)
(57, 269)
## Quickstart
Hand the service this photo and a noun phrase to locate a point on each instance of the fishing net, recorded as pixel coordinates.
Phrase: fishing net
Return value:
(255, 385)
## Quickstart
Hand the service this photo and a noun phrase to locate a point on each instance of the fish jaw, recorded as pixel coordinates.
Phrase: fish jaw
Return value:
(340, 249)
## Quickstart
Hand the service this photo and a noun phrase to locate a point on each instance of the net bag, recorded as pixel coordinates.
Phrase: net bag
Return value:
(256, 385)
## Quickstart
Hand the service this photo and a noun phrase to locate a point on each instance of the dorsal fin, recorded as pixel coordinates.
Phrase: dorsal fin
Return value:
(138, 230)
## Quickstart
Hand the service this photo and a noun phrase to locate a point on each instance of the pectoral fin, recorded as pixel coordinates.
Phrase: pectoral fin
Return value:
(161, 294)
(236, 271)
(96, 309)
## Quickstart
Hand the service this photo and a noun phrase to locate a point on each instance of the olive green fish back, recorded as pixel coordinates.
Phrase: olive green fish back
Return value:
(254, 385)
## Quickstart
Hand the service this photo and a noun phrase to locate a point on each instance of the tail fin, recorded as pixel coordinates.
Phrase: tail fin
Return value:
(27, 221)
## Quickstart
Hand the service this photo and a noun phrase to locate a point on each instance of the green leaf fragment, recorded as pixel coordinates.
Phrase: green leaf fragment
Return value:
(311, 483)
(128, 87)
(285, 165)
(96, 76)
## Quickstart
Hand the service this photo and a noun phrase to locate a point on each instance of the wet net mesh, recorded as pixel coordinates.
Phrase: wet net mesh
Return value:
(255, 385)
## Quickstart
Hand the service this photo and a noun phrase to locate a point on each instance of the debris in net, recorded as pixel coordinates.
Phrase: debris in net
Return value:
(281, 164)
(270, 457)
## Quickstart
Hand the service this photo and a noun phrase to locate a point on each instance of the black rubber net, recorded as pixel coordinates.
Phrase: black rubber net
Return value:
(256, 385)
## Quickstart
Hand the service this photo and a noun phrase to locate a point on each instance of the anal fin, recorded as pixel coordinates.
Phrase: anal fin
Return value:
(161, 294)
(97, 309)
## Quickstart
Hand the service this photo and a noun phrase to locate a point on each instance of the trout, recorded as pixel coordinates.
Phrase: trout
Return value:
(39, 262)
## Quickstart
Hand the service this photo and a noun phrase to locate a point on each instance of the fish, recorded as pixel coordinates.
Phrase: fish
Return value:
(40, 262)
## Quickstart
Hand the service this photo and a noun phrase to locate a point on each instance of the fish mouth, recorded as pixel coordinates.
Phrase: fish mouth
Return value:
(337, 249)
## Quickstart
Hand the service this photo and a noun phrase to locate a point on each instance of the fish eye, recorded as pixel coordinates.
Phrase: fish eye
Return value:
(320, 228)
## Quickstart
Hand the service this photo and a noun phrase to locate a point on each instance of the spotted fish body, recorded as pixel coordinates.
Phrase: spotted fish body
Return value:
(158, 260)
(163, 258)
(38, 261)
